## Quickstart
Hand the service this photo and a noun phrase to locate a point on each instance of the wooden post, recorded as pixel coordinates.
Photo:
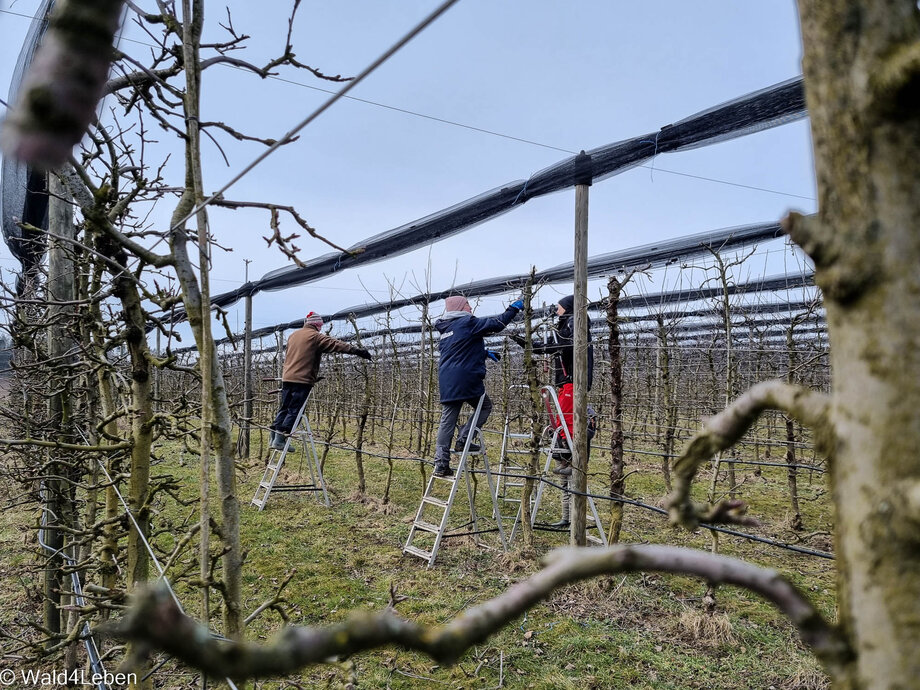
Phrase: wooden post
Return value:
(247, 374)
(579, 481)
(157, 374)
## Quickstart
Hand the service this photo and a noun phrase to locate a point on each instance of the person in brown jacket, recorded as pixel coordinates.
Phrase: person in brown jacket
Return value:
(305, 348)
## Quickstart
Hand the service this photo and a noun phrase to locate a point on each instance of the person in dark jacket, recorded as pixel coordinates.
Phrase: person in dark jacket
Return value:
(305, 348)
(462, 370)
(561, 345)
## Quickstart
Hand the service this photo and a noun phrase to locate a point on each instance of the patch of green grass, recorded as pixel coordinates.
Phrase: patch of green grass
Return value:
(620, 631)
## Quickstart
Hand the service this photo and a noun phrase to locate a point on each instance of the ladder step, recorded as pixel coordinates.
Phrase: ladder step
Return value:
(511, 500)
(450, 479)
(514, 451)
(427, 526)
(519, 436)
(434, 501)
(265, 485)
(415, 551)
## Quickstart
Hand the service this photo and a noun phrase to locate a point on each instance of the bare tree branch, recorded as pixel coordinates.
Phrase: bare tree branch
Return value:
(723, 430)
(277, 238)
(155, 620)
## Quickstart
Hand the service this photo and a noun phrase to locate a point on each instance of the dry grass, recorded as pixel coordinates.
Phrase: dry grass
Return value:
(708, 629)
(807, 677)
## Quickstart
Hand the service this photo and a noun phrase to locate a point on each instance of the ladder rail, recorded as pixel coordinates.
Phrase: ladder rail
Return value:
(277, 457)
(461, 469)
(315, 455)
(546, 471)
(419, 524)
(559, 430)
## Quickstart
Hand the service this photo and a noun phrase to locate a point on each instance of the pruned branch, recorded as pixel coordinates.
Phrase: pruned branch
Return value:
(723, 430)
(155, 620)
(239, 136)
(275, 601)
(277, 238)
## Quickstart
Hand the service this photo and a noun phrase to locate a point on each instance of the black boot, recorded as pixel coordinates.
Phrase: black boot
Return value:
(474, 447)
(442, 469)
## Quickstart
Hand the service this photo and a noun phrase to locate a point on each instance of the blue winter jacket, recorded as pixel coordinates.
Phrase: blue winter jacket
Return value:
(463, 353)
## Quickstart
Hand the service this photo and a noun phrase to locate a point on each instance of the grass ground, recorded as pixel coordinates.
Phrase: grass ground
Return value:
(638, 631)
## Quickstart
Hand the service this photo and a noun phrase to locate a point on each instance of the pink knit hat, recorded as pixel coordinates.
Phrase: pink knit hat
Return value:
(457, 303)
(313, 319)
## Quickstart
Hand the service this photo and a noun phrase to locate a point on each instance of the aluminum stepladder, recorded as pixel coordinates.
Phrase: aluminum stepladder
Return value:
(276, 461)
(510, 473)
(429, 498)
(556, 433)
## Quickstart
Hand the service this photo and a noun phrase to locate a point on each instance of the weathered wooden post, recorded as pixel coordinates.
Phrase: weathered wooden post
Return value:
(247, 372)
(579, 481)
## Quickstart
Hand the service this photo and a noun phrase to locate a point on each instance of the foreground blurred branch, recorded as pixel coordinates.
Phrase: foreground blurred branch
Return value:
(723, 430)
(155, 621)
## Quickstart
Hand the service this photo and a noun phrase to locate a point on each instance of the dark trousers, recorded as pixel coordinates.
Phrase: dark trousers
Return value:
(450, 413)
(293, 396)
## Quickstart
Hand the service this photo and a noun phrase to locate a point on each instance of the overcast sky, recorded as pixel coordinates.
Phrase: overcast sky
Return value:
(567, 75)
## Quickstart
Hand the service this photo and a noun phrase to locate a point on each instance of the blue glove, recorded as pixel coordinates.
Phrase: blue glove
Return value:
(517, 304)
(494, 356)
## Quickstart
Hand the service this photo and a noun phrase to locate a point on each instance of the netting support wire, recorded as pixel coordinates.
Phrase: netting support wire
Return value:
(92, 650)
(319, 111)
(153, 557)
(601, 497)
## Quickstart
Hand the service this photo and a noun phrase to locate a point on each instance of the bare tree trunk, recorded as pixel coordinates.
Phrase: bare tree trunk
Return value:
(390, 439)
(614, 349)
(533, 384)
(362, 415)
(141, 416)
(60, 289)
(791, 472)
(667, 403)
(861, 73)
(191, 37)
(330, 432)
(217, 409)
(108, 549)
(429, 404)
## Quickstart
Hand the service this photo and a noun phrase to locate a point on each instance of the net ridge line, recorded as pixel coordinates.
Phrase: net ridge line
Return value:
(674, 330)
(771, 107)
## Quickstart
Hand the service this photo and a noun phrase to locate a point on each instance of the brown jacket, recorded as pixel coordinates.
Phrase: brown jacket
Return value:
(305, 347)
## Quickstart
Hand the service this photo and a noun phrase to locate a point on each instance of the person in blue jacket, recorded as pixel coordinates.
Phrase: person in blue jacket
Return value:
(462, 369)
